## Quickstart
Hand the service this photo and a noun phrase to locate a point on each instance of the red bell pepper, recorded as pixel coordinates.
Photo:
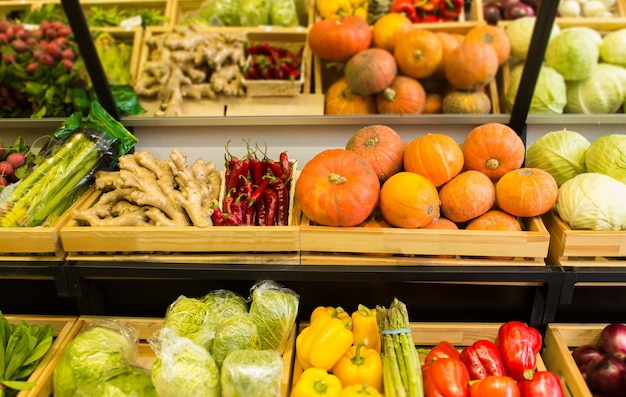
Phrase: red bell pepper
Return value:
(446, 377)
(482, 359)
(405, 7)
(443, 349)
(519, 345)
(494, 386)
(426, 5)
(450, 9)
(540, 384)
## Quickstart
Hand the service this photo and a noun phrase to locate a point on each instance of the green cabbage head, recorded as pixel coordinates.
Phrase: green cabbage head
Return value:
(603, 92)
(252, 373)
(520, 31)
(573, 53)
(607, 155)
(125, 381)
(233, 333)
(592, 201)
(550, 95)
(612, 47)
(189, 317)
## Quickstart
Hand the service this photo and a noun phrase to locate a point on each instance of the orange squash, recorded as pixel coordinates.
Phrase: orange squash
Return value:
(467, 196)
(388, 29)
(441, 223)
(466, 102)
(438, 157)
(340, 99)
(337, 188)
(449, 43)
(405, 95)
(433, 104)
(526, 192)
(418, 53)
(409, 200)
(493, 35)
(473, 64)
(494, 220)
(381, 146)
(493, 149)
(370, 71)
(340, 37)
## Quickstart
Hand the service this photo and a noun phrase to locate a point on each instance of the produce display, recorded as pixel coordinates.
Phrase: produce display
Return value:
(284, 13)
(14, 161)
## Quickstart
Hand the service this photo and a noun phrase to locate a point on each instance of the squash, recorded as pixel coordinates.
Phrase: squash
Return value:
(388, 29)
(493, 149)
(409, 200)
(494, 220)
(526, 192)
(473, 64)
(418, 53)
(340, 37)
(493, 35)
(449, 42)
(381, 146)
(438, 157)
(370, 71)
(433, 104)
(466, 102)
(337, 188)
(441, 223)
(467, 196)
(340, 99)
(405, 95)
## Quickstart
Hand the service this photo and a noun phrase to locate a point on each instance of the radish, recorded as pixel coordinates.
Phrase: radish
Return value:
(3, 181)
(6, 168)
(1, 150)
(16, 159)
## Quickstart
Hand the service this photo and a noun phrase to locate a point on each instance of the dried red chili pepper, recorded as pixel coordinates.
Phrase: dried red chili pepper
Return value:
(218, 217)
(271, 202)
(282, 210)
(261, 212)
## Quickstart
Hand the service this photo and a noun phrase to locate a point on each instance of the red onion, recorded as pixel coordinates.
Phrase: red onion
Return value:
(492, 13)
(584, 354)
(613, 339)
(606, 376)
(518, 10)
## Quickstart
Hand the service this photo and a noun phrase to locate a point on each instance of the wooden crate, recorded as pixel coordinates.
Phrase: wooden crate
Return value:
(133, 35)
(583, 247)
(560, 340)
(146, 326)
(618, 21)
(398, 246)
(62, 328)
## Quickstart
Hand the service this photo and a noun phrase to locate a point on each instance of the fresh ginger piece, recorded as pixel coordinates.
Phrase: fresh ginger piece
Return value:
(107, 180)
(136, 218)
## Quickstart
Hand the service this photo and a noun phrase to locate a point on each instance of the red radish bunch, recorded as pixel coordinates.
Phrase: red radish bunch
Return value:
(13, 161)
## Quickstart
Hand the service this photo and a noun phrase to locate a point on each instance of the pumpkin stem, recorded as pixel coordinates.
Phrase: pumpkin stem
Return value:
(371, 142)
(389, 94)
(492, 164)
(336, 178)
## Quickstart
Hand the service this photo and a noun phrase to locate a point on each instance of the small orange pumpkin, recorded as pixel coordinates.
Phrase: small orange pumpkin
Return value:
(405, 95)
(433, 104)
(409, 200)
(340, 99)
(493, 35)
(438, 157)
(473, 64)
(418, 53)
(466, 102)
(449, 43)
(337, 188)
(441, 223)
(493, 149)
(370, 71)
(388, 29)
(381, 146)
(340, 37)
(467, 196)
(526, 192)
(494, 220)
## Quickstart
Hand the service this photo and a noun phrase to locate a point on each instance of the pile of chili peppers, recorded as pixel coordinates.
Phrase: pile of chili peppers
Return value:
(429, 10)
(271, 62)
(256, 191)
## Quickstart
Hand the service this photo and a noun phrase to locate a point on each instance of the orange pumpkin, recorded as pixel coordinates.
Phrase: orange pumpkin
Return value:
(340, 37)
(370, 71)
(449, 43)
(418, 53)
(494, 220)
(466, 102)
(493, 35)
(409, 200)
(467, 196)
(526, 192)
(340, 99)
(337, 188)
(438, 157)
(375, 220)
(433, 104)
(442, 223)
(493, 149)
(388, 29)
(405, 95)
(381, 146)
(473, 64)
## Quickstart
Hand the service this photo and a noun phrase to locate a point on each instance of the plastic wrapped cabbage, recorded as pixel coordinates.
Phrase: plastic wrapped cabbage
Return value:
(234, 333)
(220, 12)
(126, 381)
(183, 368)
(284, 13)
(189, 317)
(255, 12)
(607, 155)
(252, 373)
(602, 92)
(223, 303)
(574, 53)
(274, 310)
(592, 201)
(550, 95)
(561, 153)
(101, 346)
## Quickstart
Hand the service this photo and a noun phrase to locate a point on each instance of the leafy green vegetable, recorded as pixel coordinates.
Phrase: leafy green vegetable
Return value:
(223, 303)
(221, 12)
(550, 95)
(255, 12)
(233, 333)
(189, 318)
(602, 92)
(573, 53)
(124, 381)
(252, 373)
(284, 13)
(607, 155)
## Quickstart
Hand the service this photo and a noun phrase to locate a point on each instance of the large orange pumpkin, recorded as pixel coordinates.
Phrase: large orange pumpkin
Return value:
(449, 42)
(418, 53)
(405, 95)
(438, 157)
(493, 149)
(473, 64)
(388, 29)
(526, 192)
(493, 35)
(339, 38)
(381, 146)
(340, 99)
(494, 220)
(409, 200)
(467, 196)
(370, 71)
(337, 188)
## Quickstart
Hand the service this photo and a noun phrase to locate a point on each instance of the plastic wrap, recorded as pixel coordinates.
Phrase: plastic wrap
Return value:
(252, 373)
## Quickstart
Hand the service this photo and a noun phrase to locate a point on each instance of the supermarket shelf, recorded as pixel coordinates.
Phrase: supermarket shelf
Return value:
(36, 270)
(581, 276)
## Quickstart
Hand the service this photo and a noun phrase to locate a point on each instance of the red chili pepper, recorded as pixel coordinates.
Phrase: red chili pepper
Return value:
(274, 168)
(482, 359)
(233, 180)
(443, 349)
(249, 215)
(256, 172)
(282, 210)
(245, 170)
(271, 202)
(518, 345)
(446, 377)
(261, 212)
(258, 192)
(227, 204)
(540, 384)
(451, 9)
(235, 217)
(494, 386)
(285, 166)
(405, 7)
(218, 217)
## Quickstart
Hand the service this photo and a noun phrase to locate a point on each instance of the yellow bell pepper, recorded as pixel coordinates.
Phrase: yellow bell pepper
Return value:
(365, 326)
(330, 311)
(362, 390)
(317, 382)
(360, 365)
(322, 343)
(332, 8)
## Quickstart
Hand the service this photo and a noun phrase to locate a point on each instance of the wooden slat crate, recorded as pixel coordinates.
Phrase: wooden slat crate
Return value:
(583, 247)
(618, 21)
(397, 246)
(62, 328)
(146, 326)
(560, 340)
